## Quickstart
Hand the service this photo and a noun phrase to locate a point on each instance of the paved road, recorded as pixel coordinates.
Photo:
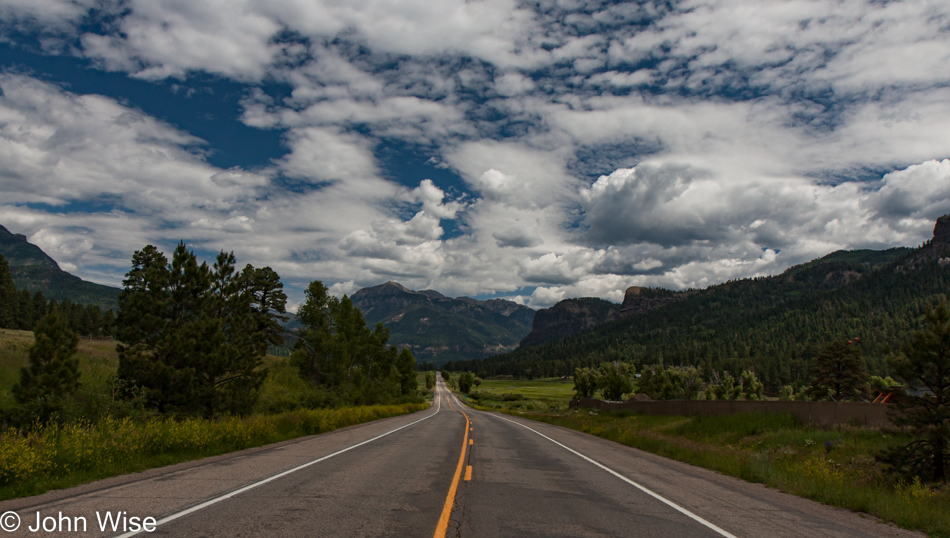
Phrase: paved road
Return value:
(399, 476)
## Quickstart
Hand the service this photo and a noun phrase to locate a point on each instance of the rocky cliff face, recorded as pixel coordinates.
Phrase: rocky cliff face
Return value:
(638, 300)
(942, 231)
(569, 317)
(938, 248)
(574, 316)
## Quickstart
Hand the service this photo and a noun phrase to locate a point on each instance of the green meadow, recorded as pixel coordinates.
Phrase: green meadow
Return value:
(522, 395)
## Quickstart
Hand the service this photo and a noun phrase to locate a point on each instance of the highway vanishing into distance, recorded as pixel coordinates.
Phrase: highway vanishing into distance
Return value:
(446, 471)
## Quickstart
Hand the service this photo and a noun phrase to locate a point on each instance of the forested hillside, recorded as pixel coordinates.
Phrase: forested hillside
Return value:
(567, 317)
(772, 325)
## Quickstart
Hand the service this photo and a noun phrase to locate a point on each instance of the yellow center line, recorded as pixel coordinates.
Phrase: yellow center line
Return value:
(468, 473)
(450, 498)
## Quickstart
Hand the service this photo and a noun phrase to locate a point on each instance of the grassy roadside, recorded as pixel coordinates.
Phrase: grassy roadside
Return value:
(835, 467)
(63, 456)
(100, 446)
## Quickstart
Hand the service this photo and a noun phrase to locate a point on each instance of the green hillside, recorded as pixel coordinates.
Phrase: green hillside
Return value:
(772, 325)
(32, 270)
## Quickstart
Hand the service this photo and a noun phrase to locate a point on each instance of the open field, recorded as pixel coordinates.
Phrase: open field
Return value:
(522, 395)
(835, 466)
(97, 361)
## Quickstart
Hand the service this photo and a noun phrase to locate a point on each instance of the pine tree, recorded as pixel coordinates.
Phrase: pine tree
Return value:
(838, 372)
(9, 301)
(924, 363)
(338, 353)
(193, 337)
(53, 373)
(313, 350)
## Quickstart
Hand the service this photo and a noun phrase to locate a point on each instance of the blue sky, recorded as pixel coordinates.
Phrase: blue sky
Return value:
(493, 148)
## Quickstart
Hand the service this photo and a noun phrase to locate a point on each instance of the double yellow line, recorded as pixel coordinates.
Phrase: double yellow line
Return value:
(450, 499)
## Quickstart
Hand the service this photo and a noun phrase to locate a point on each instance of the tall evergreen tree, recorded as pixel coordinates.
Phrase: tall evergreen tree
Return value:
(53, 373)
(924, 364)
(336, 351)
(313, 352)
(193, 337)
(9, 303)
(838, 372)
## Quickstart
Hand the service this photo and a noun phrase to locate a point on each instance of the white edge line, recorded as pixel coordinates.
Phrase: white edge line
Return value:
(227, 496)
(627, 480)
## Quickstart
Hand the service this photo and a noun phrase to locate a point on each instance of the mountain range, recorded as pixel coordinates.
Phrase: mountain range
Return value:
(437, 328)
(773, 325)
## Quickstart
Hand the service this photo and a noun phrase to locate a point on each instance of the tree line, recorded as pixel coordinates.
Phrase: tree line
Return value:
(773, 326)
(193, 337)
(21, 310)
(922, 404)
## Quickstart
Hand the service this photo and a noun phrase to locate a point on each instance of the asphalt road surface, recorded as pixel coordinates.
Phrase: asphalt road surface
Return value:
(447, 471)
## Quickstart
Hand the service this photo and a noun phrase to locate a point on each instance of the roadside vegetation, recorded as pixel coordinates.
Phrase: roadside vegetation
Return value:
(99, 436)
(839, 467)
(187, 375)
(57, 456)
(836, 466)
(898, 474)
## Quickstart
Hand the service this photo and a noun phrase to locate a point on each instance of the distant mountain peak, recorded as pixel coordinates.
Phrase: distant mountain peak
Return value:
(386, 288)
(20, 252)
(33, 270)
(432, 294)
(6, 232)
